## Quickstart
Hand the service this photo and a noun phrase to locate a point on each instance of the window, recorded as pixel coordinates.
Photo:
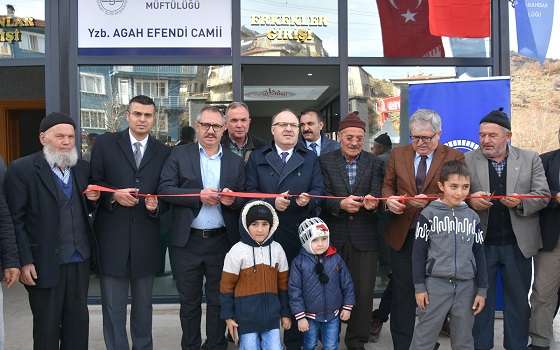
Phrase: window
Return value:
(93, 119)
(5, 49)
(92, 83)
(375, 92)
(32, 42)
(306, 28)
(380, 29)
(124, 91)
(152, 88)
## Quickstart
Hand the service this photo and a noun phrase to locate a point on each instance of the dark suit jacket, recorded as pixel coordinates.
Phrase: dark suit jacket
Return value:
(128, 238)
(327, 145)
(400, 180)
(181, 174)
(31, 191)
(8, 246)
(302, 173)
(359, 228)
(550, 216)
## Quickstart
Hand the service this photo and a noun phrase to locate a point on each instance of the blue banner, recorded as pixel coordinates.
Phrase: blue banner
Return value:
(533, 20)
(461, 104)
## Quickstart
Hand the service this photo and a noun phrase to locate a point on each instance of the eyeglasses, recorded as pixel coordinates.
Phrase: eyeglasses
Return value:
(286, 125)
(418, 139)
(207, 126)
(320, 271)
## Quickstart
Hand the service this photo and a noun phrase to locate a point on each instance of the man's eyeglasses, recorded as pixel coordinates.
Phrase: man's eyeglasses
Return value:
(418, 139)
(207, 126)
(320, 271)
(286, 125)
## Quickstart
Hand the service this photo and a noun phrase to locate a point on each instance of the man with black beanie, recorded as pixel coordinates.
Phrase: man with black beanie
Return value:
(513, 235)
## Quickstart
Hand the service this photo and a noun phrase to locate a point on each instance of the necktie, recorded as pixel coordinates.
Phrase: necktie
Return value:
(137, 153)
(313, 146)
(284, 156)
(421, 173)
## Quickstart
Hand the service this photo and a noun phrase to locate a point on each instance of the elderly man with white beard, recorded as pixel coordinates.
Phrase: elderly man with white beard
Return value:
(54, 237)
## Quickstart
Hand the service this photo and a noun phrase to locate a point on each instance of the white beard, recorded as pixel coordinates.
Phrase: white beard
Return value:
(61, 159)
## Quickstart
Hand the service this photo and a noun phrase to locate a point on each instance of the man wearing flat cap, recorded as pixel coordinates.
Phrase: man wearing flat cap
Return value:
(53, 234)
(513, 235)
(356, 175)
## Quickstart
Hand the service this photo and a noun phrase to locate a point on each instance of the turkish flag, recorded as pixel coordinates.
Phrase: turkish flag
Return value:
(460, 18)
(404, 28)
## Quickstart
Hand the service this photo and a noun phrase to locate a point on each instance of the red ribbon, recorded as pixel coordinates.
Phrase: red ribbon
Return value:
(281, 195)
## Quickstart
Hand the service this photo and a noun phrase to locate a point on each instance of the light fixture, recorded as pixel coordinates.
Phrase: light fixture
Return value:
(309, 74)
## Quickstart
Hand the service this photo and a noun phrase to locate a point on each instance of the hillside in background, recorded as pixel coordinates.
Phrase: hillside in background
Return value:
(535, 99)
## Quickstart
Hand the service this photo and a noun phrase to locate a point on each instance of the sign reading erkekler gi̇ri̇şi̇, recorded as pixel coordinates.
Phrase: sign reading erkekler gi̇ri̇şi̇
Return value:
(108, 27)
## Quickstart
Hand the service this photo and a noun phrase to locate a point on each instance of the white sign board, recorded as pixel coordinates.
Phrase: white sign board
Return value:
(107, 27)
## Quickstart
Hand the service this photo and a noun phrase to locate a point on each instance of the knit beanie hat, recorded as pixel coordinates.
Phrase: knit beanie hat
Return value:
(383, 139)
(351, 120)
(497, 117)
(310, 229)
(54, 119)
(258, 212)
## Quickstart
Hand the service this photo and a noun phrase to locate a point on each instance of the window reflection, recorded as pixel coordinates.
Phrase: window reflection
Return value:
(375, 92)
(22, 29)
(295, 28)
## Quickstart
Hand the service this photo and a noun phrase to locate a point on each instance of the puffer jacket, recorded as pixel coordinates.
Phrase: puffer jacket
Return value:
(254, 283)
(309, 297)
(448, 244)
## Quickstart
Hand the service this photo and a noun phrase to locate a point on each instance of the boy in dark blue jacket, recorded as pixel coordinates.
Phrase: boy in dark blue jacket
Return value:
(320, 287)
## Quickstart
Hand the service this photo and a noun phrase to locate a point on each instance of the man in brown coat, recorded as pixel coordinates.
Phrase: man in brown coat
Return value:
(412, 170)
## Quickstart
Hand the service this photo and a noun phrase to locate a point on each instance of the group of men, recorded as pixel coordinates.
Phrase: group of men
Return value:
(61, 233)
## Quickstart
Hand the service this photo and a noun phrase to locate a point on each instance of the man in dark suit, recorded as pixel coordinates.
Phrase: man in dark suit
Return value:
(412, 170)
(54, 238)
(544, 298)
(357, 175)
(286, 166)
(311, 124)
(9, 259)
(204, 227)
(127, 227)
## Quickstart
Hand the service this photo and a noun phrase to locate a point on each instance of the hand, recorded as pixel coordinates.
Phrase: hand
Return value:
(282, 203)
(225, 199)
(511, 202)
(126, 197)
(303, 199)
(232, 330)
(351, 204)
(344, 315)
(557, 197)
(11, 275)
(418, 202)
(286, 323)
(395, 205)
(28, 275)
(370, 202)
(422, 300)
(92, 195)
(303, 325)
(151, 203)
(478, 304)
(209, 196)
(480, 203)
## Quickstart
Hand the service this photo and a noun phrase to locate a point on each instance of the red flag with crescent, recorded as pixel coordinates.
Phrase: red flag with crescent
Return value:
(405, 30)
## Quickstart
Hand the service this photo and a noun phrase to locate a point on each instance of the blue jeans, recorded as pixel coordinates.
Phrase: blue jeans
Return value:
(516, 271)
(268, 340)
(328, 331)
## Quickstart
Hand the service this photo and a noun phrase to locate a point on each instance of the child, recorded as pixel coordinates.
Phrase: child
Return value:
(448, 263)
(320, 288)
(254, 284)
